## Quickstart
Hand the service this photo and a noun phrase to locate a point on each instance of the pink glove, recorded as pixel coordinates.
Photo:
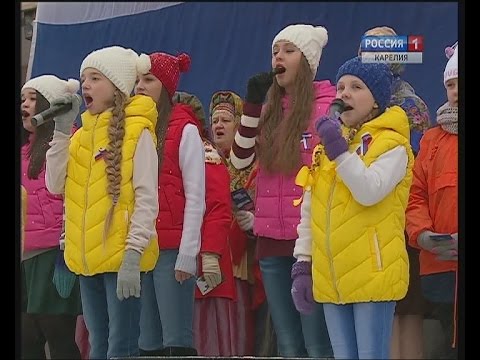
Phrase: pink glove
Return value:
(302, 287)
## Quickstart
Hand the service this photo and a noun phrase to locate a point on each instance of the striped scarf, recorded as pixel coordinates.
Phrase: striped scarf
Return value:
(447, 118)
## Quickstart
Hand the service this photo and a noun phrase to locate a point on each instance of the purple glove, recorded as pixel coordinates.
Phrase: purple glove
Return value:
(302, 287)
(331, 137)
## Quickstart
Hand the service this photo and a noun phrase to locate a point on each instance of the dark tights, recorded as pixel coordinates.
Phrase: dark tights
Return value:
(56, 330)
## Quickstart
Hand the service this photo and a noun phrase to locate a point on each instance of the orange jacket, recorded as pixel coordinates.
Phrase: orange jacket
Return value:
(433, 203)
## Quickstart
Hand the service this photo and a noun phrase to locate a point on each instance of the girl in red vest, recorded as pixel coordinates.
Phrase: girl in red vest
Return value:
(215, 321)
(166, 322)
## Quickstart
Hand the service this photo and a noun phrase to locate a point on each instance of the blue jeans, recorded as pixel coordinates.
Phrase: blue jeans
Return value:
(297, 335)
(166, 317)
(113, 325)
(361, 330)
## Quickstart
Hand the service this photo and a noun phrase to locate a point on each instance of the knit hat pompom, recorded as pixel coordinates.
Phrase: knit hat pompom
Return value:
(167, 69)
(322, 35)
(450, 50)
(143, 64)
(377, 77)
(73, 85)
(184, 62)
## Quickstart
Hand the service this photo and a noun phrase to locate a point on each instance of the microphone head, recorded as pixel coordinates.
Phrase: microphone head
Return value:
(79, 97)
(36, 120)
(278, 70)
(337, 107)
(339, 103)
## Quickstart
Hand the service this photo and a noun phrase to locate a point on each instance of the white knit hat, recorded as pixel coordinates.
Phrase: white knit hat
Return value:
(51, 87)
(121, 66)
(451, 70)
(309, 39)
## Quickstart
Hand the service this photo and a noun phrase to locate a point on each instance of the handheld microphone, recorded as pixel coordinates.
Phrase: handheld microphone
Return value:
(278, 70)
(337, 107)
(51, 112)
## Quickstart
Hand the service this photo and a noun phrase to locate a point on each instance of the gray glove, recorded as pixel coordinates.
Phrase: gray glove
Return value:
(64, 122)
(445, 249)
(450, 253)
(211, 270)
(128, 279)
(245, 220)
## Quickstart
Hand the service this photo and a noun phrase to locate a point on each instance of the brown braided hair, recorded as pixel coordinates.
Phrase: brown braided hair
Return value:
(164, 108)
(113, 156)
(278, 146)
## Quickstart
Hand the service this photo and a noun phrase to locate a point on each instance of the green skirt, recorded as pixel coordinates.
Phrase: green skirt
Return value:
(39, 295)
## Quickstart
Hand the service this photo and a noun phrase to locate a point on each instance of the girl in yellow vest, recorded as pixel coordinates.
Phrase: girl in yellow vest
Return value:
(108, 170)
(351, 234)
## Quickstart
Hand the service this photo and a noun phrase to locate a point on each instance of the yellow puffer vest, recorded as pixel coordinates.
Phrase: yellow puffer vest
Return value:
(358, 252)
(87, 201)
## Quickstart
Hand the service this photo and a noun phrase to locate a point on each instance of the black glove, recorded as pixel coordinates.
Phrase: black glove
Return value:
(257, 87)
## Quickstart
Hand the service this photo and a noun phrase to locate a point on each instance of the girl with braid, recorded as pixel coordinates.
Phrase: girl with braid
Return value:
(108, 171)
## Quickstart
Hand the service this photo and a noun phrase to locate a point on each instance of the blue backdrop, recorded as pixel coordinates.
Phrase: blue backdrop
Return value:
(229, 42)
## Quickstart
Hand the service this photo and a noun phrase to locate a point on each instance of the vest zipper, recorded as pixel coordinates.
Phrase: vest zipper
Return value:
(92, 159)
(327, 236)
(280, 207)
(377, 252)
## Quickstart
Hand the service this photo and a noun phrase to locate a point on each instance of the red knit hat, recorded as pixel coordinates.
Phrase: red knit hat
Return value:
(167, 69)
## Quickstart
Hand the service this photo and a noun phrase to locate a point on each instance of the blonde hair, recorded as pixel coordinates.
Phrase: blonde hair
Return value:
(113, 156)
(278, 145)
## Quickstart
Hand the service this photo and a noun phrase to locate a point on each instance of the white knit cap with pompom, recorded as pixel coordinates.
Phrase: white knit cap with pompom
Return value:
(143, 64)
(116, 63)
(309, 39)
(451, 69)
(52, 87)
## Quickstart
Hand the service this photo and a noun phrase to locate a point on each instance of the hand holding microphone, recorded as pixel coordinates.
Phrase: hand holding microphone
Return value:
(330, 132)
(258, 85)
(63, 111)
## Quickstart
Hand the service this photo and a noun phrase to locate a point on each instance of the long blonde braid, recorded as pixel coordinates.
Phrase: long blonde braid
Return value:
(113, 156)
